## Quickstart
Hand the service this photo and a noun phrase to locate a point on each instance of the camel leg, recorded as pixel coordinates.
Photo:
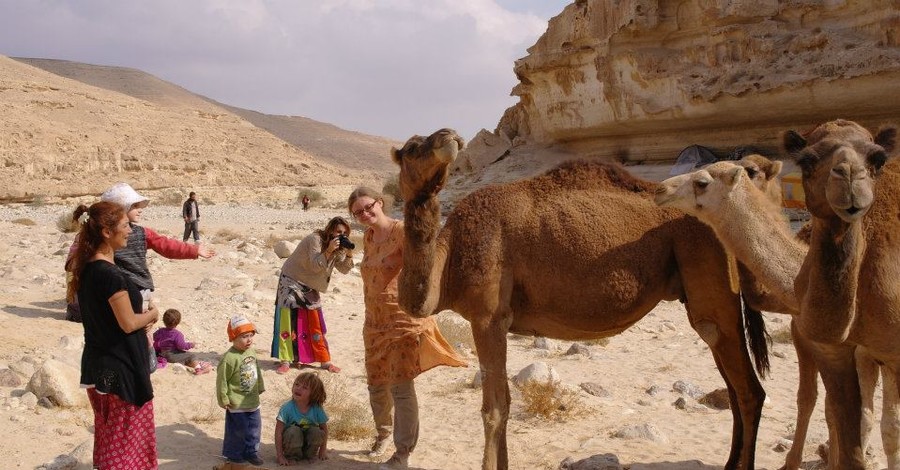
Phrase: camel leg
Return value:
(890, 418)
(490, 343)
(727, 342)
(843, 404)
(807, 394)
(867, 369)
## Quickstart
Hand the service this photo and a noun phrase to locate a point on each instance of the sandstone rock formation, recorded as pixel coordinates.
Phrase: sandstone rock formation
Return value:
(63, 137)
(638, 80)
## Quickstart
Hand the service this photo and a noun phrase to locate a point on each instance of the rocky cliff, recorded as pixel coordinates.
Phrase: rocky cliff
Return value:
(638, 80)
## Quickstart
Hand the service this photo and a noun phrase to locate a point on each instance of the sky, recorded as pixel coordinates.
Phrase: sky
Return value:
(391, 68)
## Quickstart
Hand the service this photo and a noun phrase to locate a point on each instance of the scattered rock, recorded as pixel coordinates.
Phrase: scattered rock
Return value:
(687, 388)
(284, 248)
(783, 445)
(644, 431)
(58, 382)
(594, 462)
(538, 371)
(594, 389)
(653, 390)
(717, 399)
(543, 343)
(578, 348)
(9, 378)
(477, 379)
(680, 403)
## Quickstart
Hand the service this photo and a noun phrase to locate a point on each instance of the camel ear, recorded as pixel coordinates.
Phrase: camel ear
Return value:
(793, 142)
(395, 155)
(887, 139)
(774, 170)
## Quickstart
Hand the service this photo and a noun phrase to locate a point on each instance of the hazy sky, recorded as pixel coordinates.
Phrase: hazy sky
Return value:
(386, 67)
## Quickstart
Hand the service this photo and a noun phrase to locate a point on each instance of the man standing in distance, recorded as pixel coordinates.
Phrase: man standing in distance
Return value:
(191, 213)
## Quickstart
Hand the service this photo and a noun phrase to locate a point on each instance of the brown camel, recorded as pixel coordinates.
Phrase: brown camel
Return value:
(580, 252)
(750, 223)
(848, 284)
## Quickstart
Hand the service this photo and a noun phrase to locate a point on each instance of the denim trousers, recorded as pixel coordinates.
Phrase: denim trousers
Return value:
(242, 433)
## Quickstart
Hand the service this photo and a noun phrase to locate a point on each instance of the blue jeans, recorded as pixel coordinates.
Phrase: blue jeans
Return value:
(242, 433)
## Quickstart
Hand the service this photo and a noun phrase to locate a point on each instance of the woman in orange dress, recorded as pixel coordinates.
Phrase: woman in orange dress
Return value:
(398, 347)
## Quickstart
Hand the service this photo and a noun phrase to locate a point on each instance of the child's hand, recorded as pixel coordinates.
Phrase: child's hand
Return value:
(323, 453)
(282, 461)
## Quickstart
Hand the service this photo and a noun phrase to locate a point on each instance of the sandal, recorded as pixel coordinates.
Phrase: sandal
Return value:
(283, 368)
(331, 367)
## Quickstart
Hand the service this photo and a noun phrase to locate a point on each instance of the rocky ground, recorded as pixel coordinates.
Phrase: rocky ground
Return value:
(632, 398)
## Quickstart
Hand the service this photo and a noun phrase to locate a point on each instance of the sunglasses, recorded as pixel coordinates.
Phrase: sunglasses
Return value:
(366, 208)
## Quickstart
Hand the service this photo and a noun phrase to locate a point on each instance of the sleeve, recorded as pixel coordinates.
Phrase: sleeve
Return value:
(313, 244)
(321, 416)
(222, 374)
(156, 340)
(170, 247)
(184, 209)
(260, 384)
(282, 415)
(180, 343)
(110, 280)
(344, 265)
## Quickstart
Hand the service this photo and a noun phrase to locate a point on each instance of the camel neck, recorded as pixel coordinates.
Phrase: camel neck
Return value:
(759, 236)
(828, 282)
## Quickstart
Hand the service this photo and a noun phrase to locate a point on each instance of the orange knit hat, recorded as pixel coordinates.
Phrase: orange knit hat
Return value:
(239, 325)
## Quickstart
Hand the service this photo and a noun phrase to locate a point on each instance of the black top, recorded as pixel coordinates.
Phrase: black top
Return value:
(113, 361)
(133, 258)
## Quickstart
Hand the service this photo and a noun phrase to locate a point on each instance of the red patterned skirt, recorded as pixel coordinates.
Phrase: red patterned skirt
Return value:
(124, 434)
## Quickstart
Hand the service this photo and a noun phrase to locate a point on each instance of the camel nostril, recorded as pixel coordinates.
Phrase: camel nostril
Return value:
(852, 210)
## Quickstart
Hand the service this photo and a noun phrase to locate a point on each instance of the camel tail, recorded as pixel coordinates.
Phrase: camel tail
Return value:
(758, 338)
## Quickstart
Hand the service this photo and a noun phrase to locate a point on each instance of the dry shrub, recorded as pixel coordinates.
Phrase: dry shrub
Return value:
(392, 188)
(597, 342)
(313, 195)
(782, 336)
(24, 221)
(227, 235)
(456, 330)
(206, 414)
(65, 224)
(549, 400)
(348, 417)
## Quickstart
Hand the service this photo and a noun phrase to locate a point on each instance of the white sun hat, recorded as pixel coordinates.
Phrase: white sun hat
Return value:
(124, 195)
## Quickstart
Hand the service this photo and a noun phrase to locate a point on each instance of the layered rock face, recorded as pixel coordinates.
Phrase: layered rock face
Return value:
(638, 80)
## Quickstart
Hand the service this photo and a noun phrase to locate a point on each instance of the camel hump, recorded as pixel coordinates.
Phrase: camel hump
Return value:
(583, 174)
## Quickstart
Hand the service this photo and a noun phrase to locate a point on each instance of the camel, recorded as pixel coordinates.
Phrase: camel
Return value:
(578, 253)
(749, 222)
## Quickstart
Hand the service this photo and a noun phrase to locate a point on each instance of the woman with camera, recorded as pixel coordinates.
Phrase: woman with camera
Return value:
(299, 335)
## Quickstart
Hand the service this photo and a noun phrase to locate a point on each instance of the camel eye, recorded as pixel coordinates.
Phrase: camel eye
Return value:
(701, 184)
(752, 172)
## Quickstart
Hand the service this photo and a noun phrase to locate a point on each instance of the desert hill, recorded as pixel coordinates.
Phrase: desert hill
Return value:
(76, 136)
(325, 142)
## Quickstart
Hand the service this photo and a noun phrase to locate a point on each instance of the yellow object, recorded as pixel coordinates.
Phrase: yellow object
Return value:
(793, 196)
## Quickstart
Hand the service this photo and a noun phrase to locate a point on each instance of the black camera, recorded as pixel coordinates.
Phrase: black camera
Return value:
(344, 242)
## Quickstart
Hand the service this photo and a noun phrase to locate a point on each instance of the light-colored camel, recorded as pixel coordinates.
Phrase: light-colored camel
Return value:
(749, 222)
(580, 252)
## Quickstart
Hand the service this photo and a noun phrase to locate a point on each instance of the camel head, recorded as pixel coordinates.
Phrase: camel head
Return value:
(839, 161)
(701, 193)
(763, 173)
(424, 163)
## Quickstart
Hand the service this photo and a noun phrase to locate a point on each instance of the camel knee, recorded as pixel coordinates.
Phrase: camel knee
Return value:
(708, 331)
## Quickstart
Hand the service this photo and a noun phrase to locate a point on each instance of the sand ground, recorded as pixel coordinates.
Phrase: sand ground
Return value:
(657, 351)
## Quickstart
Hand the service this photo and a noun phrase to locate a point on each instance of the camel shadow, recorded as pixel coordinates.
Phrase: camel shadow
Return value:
(682, 465)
